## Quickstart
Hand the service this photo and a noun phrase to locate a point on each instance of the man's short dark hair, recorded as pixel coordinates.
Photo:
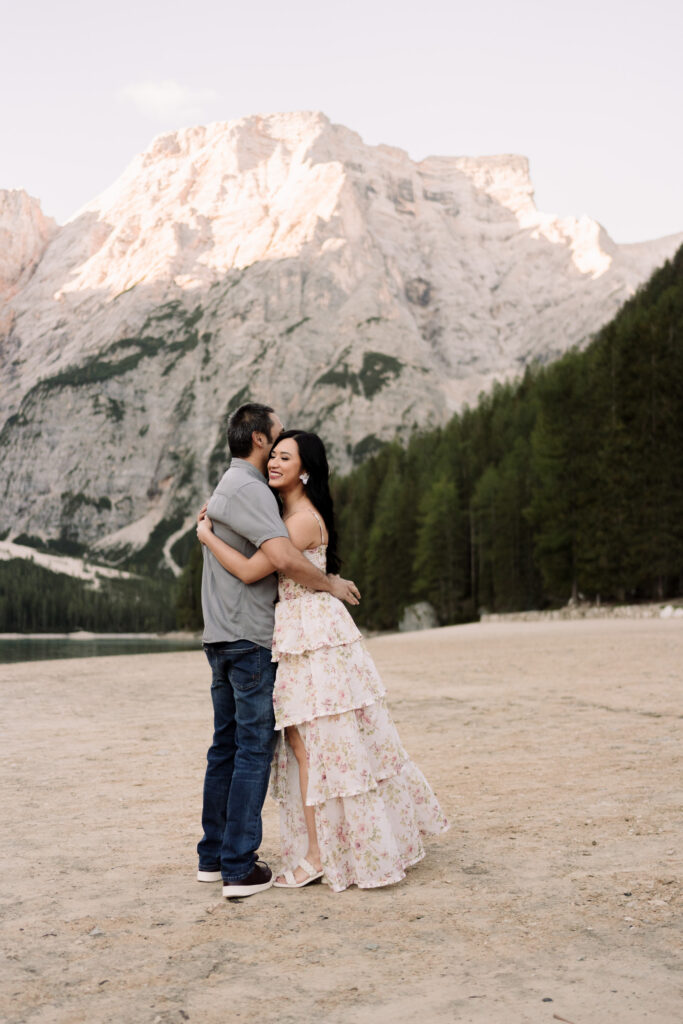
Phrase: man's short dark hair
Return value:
(241, 425)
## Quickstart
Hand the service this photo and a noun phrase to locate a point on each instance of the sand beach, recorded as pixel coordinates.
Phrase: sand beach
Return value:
(554, 748)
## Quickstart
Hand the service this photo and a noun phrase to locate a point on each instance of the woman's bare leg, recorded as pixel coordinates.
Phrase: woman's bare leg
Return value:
(313, 852)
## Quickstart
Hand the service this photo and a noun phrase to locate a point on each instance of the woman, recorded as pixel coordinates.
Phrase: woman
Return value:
(353, 806)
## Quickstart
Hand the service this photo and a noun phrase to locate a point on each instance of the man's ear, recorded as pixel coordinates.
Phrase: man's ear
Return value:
(258, 440)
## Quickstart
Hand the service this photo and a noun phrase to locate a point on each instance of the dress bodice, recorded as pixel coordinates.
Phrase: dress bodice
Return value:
(289, 589)
(306, 619)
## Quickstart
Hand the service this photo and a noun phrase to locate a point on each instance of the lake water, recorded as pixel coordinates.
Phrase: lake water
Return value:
(41, 648)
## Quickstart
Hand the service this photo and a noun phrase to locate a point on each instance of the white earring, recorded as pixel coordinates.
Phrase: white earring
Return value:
(304, 478)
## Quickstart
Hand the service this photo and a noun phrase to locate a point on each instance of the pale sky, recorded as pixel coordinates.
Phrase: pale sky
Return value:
(589, 90)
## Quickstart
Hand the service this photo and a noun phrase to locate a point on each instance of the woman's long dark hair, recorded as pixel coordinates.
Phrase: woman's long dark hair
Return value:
(314, 462)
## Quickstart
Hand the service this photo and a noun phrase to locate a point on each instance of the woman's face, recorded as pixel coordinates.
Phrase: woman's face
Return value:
(284, 464)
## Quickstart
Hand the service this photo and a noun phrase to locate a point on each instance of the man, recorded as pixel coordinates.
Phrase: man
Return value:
(238, 634)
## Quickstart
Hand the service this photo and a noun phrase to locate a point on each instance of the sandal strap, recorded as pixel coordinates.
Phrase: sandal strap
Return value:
(289, 877)
(307, 866)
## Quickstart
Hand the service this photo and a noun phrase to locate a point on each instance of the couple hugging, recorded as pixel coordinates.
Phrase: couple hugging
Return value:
(352, 804)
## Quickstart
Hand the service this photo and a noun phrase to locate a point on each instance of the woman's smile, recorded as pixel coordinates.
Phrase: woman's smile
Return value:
(284, 464)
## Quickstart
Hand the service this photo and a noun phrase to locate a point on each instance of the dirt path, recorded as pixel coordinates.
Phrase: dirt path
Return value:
(555, 749)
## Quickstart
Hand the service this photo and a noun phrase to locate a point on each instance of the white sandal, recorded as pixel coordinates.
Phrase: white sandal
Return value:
(290, 881)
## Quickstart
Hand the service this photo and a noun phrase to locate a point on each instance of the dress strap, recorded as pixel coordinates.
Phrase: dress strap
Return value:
(317, 518)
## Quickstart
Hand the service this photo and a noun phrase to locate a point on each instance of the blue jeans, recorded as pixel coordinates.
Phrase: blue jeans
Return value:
(238, 761)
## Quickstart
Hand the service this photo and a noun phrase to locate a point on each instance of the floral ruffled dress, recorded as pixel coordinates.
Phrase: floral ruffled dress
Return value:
(372, 804)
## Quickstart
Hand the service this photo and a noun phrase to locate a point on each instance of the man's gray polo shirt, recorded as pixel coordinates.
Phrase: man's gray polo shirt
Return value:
(244, 513)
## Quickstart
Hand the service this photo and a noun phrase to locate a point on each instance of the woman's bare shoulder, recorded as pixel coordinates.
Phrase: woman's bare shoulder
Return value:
(303, 529)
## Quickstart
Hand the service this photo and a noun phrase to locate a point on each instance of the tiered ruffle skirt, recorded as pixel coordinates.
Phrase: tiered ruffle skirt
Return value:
(372, 804)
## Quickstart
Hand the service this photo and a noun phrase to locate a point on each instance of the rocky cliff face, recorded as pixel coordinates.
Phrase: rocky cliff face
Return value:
(24, 234)
(280, 259)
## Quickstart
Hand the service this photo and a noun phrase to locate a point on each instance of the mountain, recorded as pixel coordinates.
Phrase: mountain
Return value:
(24, 234)
(277, 258)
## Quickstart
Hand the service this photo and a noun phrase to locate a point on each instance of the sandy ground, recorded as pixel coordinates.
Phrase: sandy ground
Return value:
(553, 746)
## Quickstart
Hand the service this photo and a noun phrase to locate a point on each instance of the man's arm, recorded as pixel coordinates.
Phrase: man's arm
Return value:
(249, 570)
(286, 559)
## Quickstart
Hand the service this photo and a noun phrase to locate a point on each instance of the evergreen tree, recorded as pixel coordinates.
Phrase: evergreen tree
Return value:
(565, 476)
(188, 610)
(498, 528)
(389, 548)
(439, 565)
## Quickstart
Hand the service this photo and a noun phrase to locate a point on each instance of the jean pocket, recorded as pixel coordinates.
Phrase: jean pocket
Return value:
(245, 673)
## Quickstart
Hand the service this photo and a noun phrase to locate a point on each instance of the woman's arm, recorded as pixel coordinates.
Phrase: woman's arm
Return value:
(249, 570)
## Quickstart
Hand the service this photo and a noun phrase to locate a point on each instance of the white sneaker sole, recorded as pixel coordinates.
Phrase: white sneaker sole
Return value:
(236, 891)
(209, 876)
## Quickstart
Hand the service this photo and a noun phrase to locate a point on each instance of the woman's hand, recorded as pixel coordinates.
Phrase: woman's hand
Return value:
(202, 512)
(204, 526)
